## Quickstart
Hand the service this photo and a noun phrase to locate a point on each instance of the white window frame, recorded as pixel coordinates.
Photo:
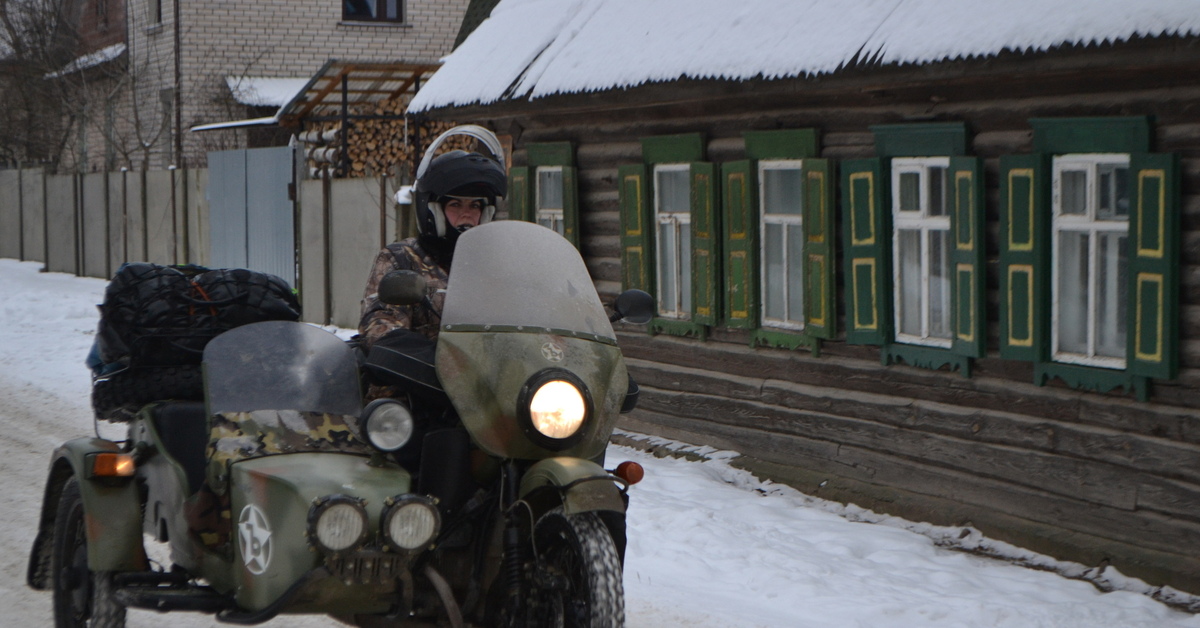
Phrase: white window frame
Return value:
(554, 215)
(681, 309)
(923, 222)
(1093, 226)
(790, 266)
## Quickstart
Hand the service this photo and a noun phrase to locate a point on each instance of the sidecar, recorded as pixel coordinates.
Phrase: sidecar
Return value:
(274, 495)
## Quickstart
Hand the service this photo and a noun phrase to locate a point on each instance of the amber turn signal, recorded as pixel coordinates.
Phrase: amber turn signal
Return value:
(112, 465)
(630, 471)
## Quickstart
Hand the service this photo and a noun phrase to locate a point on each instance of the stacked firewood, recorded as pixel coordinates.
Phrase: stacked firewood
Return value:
(378, 146)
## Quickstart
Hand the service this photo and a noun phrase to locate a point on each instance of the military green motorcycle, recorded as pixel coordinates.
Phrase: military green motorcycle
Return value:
(281, 493)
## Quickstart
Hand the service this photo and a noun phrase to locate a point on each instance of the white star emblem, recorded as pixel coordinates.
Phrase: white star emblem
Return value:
(254, 535)
(552, 353)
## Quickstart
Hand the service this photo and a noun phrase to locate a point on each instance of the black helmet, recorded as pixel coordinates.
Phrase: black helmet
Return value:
(457, 173)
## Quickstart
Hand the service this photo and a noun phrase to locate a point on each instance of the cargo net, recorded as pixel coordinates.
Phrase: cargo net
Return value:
(155, 322)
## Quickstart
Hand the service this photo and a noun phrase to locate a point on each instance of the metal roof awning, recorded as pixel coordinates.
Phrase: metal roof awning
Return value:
(339, 86)
(353, 84)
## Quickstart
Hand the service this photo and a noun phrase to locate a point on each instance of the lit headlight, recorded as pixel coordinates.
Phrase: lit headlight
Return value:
(410, 522)
(388, 424)
(557, 409)
(337, 523)
(553, 407)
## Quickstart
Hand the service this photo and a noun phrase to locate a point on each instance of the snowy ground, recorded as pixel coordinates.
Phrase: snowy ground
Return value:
(710, 546)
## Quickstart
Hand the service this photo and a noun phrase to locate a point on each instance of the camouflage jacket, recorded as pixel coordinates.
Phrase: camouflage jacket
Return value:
(379, 318)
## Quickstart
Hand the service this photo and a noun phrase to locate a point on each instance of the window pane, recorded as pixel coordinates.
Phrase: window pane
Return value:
(685, 269)
(666, 267)
(937, 191)
(1072, 291)
(939, 284)
(393, 9)
(673, 191)
(1074, 192)
(909, 292)
(550, 192)
(773, 272)
(1113, 192)
(795, 265)
(1112, 294)
(781, 191)
(910, 192)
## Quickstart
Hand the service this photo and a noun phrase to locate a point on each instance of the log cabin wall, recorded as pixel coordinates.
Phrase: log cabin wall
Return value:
(1098, 478)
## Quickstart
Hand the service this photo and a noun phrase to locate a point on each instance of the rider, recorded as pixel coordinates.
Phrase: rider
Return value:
(458, 191)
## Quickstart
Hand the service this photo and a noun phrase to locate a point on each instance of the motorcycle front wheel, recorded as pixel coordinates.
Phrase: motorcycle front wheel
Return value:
(82, 598)
(579, 578)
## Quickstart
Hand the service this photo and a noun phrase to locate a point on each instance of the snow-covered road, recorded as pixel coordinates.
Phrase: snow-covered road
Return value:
(710, 546)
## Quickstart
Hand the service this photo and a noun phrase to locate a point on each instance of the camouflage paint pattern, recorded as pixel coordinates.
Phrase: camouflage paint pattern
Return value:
(236, 436)
(282, 488)
(483, 373)
(379, 318)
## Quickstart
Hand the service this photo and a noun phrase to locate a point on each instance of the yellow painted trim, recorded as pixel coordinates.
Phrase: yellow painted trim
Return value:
(741, 314)
(1026, 269)
(701, 310)
(738, 177)
(969, 245)
(1161, 175)
(1012, 174)
(708, 204)
(870, 177)
(819, 177)
(819, 321)
(631, 251)
(640, 210)
(854, 264)
(1160, 324)
(968, 269)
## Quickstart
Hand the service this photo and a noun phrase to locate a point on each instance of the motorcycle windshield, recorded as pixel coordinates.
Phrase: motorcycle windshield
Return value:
(518, 276)
(280, 365)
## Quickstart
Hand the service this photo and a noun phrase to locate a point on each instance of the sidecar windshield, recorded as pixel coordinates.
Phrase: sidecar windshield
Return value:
(511, 274)
(280, 365)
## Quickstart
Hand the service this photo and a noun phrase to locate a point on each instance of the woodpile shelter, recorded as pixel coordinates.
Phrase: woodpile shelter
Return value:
(941, 260)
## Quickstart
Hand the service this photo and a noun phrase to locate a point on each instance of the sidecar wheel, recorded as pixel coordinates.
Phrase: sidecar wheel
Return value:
(578, 582)
(82, 598)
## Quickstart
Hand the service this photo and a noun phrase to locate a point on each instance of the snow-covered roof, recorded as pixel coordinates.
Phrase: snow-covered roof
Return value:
(90, 60)
(533, 48)
(258, 91)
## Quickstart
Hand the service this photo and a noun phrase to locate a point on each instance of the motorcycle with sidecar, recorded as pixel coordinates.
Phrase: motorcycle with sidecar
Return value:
(280, 493)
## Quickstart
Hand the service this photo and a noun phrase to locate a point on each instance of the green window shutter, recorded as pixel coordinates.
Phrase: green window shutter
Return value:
(819, 287)
(637, 234)
(1024, 226)
(1154, 225)
(741, 243)
(520, 205)
(570, 182)
(866, 236)
(967, 257)
(706, 245)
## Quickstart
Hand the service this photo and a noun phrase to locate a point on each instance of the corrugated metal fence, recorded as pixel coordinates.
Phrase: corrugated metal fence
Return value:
(89, 224)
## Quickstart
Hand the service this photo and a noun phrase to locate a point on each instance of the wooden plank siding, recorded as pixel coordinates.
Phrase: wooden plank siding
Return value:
(1084, 476)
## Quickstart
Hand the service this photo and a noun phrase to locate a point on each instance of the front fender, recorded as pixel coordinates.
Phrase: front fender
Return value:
(112, 511)
(582, 486)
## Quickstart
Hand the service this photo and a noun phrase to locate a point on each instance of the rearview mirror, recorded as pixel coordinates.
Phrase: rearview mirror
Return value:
(402, 287)
(633, 306)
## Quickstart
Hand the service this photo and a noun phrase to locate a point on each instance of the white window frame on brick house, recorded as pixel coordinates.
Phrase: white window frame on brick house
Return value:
(922, 299)
(376, 12)
(1096, 215)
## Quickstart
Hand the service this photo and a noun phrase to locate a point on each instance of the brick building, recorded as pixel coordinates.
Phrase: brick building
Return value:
(190, 63)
